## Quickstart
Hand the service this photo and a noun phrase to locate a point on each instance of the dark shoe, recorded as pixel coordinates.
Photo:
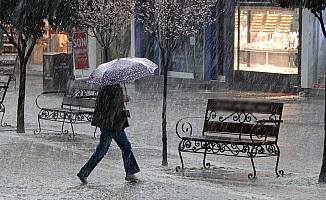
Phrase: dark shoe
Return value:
(131, 178)
(82, 179)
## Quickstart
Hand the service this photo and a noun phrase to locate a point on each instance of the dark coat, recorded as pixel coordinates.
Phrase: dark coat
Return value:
(109, 108)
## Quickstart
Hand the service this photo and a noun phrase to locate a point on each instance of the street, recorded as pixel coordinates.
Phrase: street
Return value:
(44, 166)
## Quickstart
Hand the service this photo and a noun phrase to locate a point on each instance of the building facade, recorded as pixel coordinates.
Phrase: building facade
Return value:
(255, 44)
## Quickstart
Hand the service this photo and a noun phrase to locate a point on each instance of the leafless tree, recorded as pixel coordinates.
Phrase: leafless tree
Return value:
(168, 21)
(22, 21)
(106, 19)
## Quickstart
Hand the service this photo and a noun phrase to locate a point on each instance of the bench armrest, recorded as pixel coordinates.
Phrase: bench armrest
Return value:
(185, 127)
(45, 93)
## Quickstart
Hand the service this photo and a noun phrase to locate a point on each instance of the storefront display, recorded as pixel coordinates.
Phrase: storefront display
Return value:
(268, 40)
(52, 41)
(40, 47)
(58, 42)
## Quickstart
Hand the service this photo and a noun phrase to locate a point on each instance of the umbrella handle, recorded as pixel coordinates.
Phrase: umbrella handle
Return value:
(124, 85)
(127, 111)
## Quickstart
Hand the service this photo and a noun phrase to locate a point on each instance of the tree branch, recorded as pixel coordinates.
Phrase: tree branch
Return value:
(319, 16)
(31, 47)
(97, 37)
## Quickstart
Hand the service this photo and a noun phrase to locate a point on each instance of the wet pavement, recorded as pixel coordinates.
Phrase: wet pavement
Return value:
(44, 166)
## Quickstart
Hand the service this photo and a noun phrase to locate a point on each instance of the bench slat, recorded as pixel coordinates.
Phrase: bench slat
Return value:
(78, 102)
(245, 106)
(244, 128)
(67, 110)
(231, 140)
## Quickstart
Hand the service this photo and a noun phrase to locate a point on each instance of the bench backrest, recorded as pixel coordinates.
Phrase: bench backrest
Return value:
(80, 95)
(237, 117)
(78, 102)
(8, 64)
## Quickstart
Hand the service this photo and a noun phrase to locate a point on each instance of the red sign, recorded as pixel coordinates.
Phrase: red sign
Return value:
(80, 50)
(319, 86)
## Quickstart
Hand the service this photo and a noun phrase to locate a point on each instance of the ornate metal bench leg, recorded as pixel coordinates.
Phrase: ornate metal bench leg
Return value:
(3, 110)
(206, 165)
(178, 168)
(278, 172)
(72, 129)
(63, 125)
(251, 154)
(38, 131)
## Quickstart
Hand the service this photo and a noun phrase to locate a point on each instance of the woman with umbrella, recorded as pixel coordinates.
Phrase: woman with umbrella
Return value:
(110, 114)
(111, 118)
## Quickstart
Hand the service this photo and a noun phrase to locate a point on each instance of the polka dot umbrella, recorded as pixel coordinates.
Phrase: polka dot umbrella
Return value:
(121, 70)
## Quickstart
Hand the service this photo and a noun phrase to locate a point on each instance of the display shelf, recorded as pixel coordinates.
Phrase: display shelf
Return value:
(269, 69)
(271, 22)
(285, 23)
(270, 50)
(256, 22)
(275, 57)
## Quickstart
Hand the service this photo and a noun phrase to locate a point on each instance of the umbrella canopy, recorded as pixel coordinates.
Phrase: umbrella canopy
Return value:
(121, 70)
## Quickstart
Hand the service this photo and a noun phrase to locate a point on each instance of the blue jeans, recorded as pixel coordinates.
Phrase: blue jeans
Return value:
(129, 161)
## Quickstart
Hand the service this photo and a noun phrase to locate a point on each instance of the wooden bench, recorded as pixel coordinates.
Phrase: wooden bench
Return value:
(77, 107)
(233, 128)
(4, 85)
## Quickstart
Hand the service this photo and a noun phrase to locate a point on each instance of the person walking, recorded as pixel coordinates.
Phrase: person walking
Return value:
(111, 118)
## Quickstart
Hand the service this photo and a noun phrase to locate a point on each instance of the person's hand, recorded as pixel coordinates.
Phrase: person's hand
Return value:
(126, 98)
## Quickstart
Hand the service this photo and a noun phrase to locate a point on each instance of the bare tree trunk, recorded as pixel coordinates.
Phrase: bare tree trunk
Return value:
(106, 54)
(21, 96)
(322, 175)
(220, 40)
(164, 65)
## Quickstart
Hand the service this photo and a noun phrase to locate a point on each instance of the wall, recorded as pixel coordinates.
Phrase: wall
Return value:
(309, 49)
(321, 57)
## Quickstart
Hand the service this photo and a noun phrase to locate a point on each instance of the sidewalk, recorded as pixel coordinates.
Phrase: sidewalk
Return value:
(45, 166)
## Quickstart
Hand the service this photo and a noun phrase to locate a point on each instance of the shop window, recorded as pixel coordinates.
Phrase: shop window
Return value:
(147, 50)
(188, 57)
(58, 42)
(146, 45)
(40, 47)
(266, 40)
(51, 41)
